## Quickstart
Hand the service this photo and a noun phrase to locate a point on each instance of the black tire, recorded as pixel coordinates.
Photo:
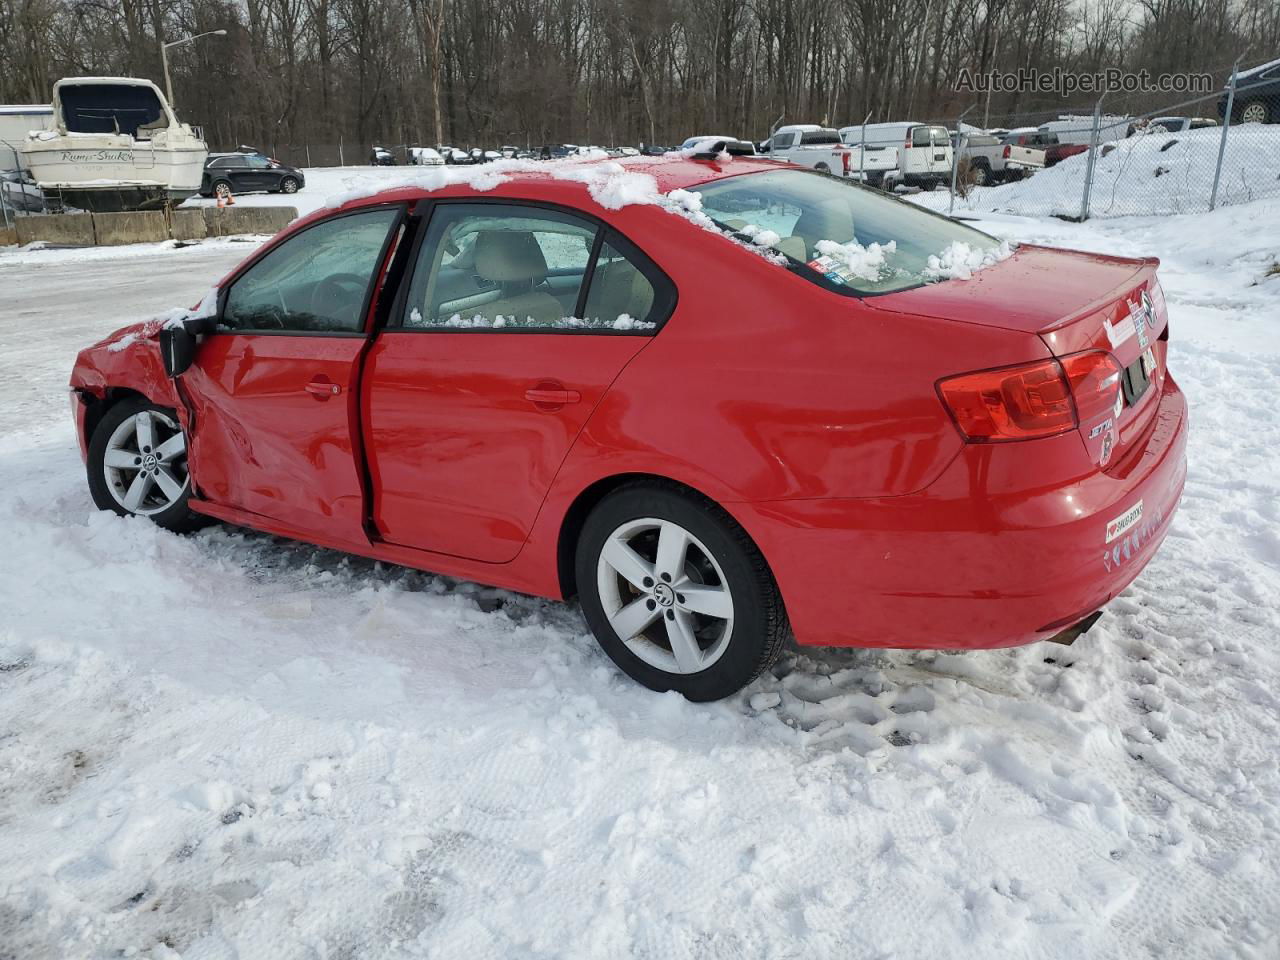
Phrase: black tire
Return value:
(981, 174)
(289, 185)
(759, 626)
(221, 188)
(822, 168)
(176, 517)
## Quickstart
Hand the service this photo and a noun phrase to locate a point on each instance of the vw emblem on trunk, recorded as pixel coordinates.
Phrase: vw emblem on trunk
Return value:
(1149, 310)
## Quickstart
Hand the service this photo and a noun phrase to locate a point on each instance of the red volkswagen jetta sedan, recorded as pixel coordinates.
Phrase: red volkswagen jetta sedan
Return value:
(719, 401)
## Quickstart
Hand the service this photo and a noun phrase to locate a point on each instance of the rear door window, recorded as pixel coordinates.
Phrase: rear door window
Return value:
(486, 266)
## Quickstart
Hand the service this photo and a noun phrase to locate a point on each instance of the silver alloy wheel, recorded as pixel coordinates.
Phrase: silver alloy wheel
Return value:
(222, 189)
(289, 185)
(145, 463)
(665, 595)
(1254, 113)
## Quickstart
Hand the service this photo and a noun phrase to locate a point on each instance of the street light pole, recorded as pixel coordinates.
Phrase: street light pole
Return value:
(164, 57)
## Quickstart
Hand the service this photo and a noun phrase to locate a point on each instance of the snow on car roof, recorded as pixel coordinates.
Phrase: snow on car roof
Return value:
(1252, 71)
(612, 182)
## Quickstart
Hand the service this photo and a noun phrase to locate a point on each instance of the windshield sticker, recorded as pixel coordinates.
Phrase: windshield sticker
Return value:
(830, 268)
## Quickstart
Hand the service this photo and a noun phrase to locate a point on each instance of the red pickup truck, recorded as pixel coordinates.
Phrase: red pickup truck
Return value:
(1054, 150)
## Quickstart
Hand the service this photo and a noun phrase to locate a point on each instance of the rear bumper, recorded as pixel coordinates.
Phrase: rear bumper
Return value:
(998, 551)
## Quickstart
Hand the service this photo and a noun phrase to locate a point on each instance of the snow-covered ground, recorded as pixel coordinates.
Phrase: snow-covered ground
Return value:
(227, 745)
(1151, 173)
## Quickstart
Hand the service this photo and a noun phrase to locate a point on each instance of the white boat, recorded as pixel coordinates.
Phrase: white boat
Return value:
(115, 143)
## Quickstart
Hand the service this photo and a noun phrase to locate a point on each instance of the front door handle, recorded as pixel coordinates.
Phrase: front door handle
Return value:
(322, 388)
(551, 396)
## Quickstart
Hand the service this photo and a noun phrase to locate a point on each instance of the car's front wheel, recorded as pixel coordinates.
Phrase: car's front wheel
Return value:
(676, 593)
(289, 185)
(138, 465)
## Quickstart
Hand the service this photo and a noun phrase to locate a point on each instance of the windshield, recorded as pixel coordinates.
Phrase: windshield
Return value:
(842, 236)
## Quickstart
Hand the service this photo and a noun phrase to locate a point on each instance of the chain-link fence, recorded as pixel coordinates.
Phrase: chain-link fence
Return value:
(1186, 157)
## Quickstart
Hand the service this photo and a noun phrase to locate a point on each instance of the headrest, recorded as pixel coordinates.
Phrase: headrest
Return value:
(504, 255)
(793, 247)
(831, 222)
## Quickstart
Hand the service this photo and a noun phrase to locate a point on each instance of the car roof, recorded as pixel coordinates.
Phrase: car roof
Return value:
(670, 171)
(1254, 71)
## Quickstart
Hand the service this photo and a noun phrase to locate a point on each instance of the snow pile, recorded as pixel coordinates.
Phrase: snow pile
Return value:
(761, 236)
(610, 183)
(959, 261)
(1143, 174)
(855, 261)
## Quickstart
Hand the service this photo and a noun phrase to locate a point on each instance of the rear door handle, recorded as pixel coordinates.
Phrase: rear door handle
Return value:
(546, 396)
(322, 388)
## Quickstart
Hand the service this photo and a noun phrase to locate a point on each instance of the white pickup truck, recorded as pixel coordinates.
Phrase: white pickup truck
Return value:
(819, 148)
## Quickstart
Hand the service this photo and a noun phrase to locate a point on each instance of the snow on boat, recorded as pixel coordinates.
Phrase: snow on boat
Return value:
(116, 144)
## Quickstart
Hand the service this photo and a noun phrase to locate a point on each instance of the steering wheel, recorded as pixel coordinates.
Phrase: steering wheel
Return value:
(337, 291)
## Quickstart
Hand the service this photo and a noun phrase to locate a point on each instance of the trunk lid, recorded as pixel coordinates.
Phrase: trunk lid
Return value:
(1073, 302)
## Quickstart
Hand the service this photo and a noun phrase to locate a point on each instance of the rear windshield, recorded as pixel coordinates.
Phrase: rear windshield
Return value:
(837, 234)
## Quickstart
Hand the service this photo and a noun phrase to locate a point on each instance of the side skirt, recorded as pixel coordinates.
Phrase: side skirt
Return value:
(506, 576)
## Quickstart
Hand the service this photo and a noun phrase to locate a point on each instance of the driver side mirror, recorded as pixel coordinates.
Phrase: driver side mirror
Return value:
(178, 344)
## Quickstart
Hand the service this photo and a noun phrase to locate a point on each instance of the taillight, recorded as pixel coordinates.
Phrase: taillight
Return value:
(1040, 399)
(1011, 403)
(1006, 151)
(1095, 383)
(844, 163)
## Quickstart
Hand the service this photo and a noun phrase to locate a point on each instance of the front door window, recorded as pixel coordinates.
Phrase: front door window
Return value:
(317, 281)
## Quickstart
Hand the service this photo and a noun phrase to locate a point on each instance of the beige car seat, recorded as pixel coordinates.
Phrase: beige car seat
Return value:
(617, 288)
(822, 223)
(513, 260)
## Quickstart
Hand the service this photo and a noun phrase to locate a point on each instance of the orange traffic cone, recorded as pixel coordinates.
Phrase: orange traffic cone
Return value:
(226, 199)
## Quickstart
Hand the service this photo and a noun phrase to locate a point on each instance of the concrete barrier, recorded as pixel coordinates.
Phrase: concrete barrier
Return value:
(187, 224)
(71, 229)
(150, 226)
(136, 226)
(234, 221)
(8, 236)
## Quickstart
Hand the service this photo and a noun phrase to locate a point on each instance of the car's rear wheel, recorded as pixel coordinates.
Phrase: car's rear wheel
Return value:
(289, 185)
(981, 174)
(222, 189)
(1254, 112)
(138, 465)
(676, 593)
